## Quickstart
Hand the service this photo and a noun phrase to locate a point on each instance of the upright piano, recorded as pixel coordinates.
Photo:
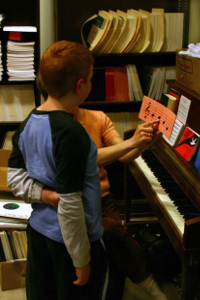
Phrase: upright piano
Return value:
(172, 187)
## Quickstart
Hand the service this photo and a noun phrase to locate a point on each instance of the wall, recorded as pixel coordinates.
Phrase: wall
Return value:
(47, 24)
(194, 25)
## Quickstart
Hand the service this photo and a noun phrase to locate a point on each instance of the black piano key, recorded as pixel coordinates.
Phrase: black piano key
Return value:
(176, 194)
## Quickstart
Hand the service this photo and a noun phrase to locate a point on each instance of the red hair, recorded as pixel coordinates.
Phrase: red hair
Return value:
(62, 65)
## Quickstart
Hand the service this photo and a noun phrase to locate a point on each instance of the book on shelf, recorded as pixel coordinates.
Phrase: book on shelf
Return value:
(98, 86)
(24, 241)
(143, 41)
(157, 30)
(171, 102)
(197, 161)
(109, 34)
(7, 143)
(94, 29)
(164, 100)
(173, 31)
(107, 28)
(113, 34)
(21, 243)
(119, 42)
(2, 255)
(176, 134)
(157, 83)
(177, 95)
(121, 84)
(6, 246)
(154, 80)
(19, 252)
(110, 85)
(168, 100)
(16, 102)
(12, 244)
(134, 24)
(134, 82)
(188, 143)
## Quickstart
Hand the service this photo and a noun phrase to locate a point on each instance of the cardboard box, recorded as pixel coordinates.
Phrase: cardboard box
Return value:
(12, 274)
(4, 156)
(188, 71)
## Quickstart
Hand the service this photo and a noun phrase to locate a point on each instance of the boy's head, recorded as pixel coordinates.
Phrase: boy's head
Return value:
(62, 65)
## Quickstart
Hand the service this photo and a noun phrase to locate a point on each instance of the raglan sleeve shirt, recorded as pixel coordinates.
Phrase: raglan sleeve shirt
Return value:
(71, 165)
(71, 148)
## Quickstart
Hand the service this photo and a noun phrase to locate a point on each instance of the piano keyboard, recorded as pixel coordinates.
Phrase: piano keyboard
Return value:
(176, 203)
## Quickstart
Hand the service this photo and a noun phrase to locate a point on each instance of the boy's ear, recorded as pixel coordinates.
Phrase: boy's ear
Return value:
(78, 86)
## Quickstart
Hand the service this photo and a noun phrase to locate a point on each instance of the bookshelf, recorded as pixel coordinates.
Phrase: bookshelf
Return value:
(69, 20)
(14, 96)
(17, 13)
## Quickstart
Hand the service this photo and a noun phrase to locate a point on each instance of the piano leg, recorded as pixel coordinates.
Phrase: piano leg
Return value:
(191, 275)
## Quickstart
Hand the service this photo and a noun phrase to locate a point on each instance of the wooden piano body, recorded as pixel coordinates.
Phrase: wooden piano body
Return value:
(186, 237)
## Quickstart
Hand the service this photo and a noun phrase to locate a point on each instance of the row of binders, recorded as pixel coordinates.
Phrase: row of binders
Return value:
(13, 245)
(124, 84)
(116, 84)
(133, 31)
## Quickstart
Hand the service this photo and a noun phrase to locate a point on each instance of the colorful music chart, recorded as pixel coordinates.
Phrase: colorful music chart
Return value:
(152, 110)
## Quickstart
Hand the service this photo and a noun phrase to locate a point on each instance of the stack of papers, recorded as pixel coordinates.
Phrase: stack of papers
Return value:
(20, 61)
(14, 214)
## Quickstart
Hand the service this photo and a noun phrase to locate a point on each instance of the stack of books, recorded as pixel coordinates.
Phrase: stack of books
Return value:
(155, 80)
(133, 31)
(20, 61)
(13, 245)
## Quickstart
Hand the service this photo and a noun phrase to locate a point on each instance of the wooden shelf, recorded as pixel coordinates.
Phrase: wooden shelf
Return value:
(113, 106)
(146, 58)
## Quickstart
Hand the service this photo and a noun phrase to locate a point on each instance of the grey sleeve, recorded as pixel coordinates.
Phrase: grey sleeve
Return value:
(72, 222)
(23, 186)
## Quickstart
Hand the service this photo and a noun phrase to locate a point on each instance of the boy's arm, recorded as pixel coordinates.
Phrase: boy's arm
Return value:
(33, 191)
(23, 186)
(72, 222)
(30, 190)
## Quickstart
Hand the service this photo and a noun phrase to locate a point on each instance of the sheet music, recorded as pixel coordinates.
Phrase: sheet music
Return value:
(183, 109)
(152, 110)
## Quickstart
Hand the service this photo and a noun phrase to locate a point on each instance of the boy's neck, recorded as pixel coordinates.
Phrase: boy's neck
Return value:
(66, 103)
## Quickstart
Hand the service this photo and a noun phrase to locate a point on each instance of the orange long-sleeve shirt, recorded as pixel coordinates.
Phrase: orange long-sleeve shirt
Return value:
(99, 126)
